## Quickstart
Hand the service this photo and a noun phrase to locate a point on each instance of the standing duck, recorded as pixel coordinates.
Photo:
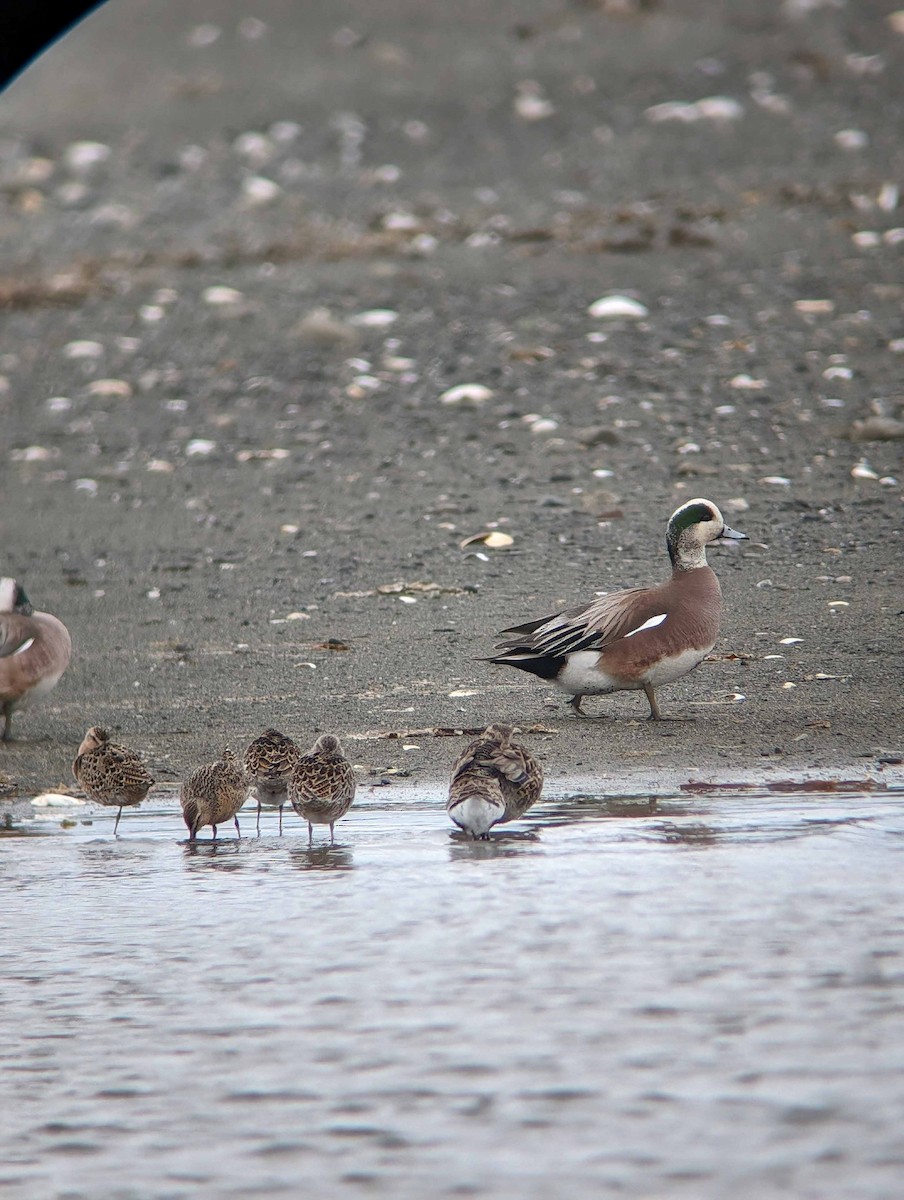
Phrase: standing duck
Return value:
(110, 774)
(637, 639)
(269, 762)
(494, 780)
(35, 649)
(213, 794)
(322, 786)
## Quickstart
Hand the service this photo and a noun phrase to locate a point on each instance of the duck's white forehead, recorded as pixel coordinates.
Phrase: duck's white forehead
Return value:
(7, 593)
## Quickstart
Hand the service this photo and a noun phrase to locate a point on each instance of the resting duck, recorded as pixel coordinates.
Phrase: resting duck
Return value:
(637, 639)
(35, 649)
(493, 780)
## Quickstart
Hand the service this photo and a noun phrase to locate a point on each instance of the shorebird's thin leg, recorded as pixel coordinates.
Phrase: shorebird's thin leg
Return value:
(116, 822)
(280, 820)
(332, 839)
(310, 834)
(214, 838)
(258, 818)
(237, 830)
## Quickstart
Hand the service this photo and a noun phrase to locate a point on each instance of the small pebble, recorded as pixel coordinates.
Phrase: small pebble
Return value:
(200, 447)
(375, 318)
(83, 349)
(221, 296)
(118, 388)
(256, 189)
(851, 139)
(83, 156)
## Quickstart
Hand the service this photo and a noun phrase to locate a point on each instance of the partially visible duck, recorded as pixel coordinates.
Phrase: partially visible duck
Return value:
(35, 649)
(269, 761)
(109, 773)
(637, 639)
(322, 786)
(213, 794)
(494, 780)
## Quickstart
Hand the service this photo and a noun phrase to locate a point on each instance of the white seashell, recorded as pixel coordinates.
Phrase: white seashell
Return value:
(495, 539)
(531, 105)
(467, 393)
(86, 485)
(401, 221)
(151, 313)
(463, 692)
(408, 599)
(737, 504)
(746, 383)
(118, 388)
(673, 110)
(815, 307)
(284, 131)
(289, 528)
(892, 237)
(59, 403)
(896, 345)
(788, 686)
(160, 465)
(200, 447)
(258, 190)
(544, 425)
(838, 373)
(375, 318)
(851, 139)
(839, 604)
(220, 295)
(889, 195)
(790, 641)
(252, 28)
(862, 470)
(603, 473)
(56, 800)
(83, 349)
(777, 480)
(618, 306)
(32, 454)
(720, 108)
(203, 35)
(191, 157)
(866, 239)
(896, 21)
(83, 156)
(888, 481)
(298, 616)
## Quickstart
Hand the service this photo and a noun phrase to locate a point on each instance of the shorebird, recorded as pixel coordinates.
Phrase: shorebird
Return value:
(213, 794)
(640, 638)
(110, 774)
(35, 649)
(269, 761)
(494, 780)
(322, 785)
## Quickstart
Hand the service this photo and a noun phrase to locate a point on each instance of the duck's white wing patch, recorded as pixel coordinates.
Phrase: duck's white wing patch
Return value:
(651, 624)
(21, 649)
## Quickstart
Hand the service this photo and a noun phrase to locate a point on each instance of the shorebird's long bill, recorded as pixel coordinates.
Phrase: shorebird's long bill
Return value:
(731, 535)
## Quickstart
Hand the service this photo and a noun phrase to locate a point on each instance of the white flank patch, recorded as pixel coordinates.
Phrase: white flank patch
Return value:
(651, 624)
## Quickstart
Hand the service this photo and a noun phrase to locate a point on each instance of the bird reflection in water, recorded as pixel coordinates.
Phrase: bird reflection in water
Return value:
(322, 858)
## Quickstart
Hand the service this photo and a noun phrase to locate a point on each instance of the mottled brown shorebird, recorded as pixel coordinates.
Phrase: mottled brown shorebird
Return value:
(269, 762)
(322, 786)
(213, 794)
(109, 773)
(35, 649)
(494, 780)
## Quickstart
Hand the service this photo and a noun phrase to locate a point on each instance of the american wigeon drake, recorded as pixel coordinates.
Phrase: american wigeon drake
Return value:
(110, 774)
(269, 762)
(35, 649)
(213, 794)
(494, 780)
(637, 639)
(322, 786)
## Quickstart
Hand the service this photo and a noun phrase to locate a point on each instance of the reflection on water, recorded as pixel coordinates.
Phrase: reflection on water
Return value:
(697, 998)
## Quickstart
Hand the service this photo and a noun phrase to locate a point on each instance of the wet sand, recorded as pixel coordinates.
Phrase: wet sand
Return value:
(248, 506)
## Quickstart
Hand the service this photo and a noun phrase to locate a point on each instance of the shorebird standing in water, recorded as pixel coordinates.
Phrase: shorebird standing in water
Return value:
(322, 786)
(213, 794)
(494, 780)
(269, 762)
(109, 773)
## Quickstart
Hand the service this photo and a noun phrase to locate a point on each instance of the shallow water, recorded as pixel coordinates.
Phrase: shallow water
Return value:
(702, 1001)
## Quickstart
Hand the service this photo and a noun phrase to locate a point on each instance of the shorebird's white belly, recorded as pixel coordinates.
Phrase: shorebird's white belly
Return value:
(476, 815)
